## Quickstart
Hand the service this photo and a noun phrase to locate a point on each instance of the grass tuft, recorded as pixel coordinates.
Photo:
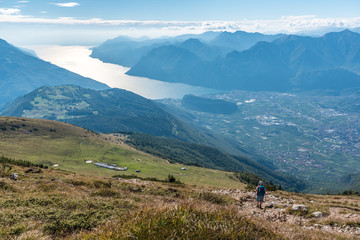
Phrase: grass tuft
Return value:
(182, 223)
(213, 198)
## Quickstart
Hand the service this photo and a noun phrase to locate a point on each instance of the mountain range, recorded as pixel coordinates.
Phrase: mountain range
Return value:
(127, 51)
(240, 40)
(289, 62)
(21, 73)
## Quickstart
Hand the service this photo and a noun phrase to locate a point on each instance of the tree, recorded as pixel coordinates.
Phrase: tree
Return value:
(171, 178)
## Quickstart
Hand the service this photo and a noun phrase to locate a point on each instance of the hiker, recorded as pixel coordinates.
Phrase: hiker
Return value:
(260, 194)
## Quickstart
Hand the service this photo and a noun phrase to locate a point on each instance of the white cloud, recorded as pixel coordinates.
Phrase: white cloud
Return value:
(286, 24)
(23, 1)
(9, 11)
(68, 4)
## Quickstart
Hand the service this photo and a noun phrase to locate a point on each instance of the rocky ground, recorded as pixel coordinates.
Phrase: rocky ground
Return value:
(313, 212)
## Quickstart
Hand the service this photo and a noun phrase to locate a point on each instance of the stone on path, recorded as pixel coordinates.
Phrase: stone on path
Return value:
(317, 214)
(299, 207)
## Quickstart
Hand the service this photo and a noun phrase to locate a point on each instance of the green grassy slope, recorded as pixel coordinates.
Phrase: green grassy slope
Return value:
(200, 155)
(51, 142)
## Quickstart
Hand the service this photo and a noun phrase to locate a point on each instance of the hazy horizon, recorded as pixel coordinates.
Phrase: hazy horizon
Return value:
(90, 23)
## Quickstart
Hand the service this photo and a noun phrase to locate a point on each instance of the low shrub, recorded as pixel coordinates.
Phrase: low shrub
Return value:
(22, 163)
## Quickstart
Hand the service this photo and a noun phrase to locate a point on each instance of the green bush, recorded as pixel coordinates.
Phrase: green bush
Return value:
(171, 178)
(350, 192)
(21, 163)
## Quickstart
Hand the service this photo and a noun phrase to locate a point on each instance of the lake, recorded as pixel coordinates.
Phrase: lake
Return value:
(77, 59)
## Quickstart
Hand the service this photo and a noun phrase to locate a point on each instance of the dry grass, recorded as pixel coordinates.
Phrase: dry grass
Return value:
(54, 204)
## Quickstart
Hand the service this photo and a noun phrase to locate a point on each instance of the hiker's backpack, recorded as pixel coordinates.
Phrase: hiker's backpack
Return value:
(261, 190)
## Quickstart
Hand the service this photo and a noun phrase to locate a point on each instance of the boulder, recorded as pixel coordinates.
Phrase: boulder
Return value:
(14, 176)
(317, 214)
(299, 207)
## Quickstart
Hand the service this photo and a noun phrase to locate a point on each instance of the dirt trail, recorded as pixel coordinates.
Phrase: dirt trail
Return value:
(276, 210)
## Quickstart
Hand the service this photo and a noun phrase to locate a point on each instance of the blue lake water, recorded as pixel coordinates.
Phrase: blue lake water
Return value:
(77, 59)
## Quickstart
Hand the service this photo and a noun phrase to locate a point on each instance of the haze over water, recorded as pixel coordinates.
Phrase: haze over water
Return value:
(77, 59)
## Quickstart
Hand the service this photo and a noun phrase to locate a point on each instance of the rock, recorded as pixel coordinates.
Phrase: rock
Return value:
(136, 190)
(269, 205)
(299, 207)
(14, 176)
(317, 214)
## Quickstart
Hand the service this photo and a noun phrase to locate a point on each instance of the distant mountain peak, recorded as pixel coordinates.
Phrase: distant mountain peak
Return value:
(192, 41)
(347, 31)
(193, 44)
(344, 33)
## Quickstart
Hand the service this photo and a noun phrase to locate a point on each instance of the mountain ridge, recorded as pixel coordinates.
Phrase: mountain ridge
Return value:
(127, 51)
(267, 66)
(21, 73)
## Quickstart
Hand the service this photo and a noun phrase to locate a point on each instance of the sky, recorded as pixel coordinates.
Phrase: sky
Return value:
(93, 21)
